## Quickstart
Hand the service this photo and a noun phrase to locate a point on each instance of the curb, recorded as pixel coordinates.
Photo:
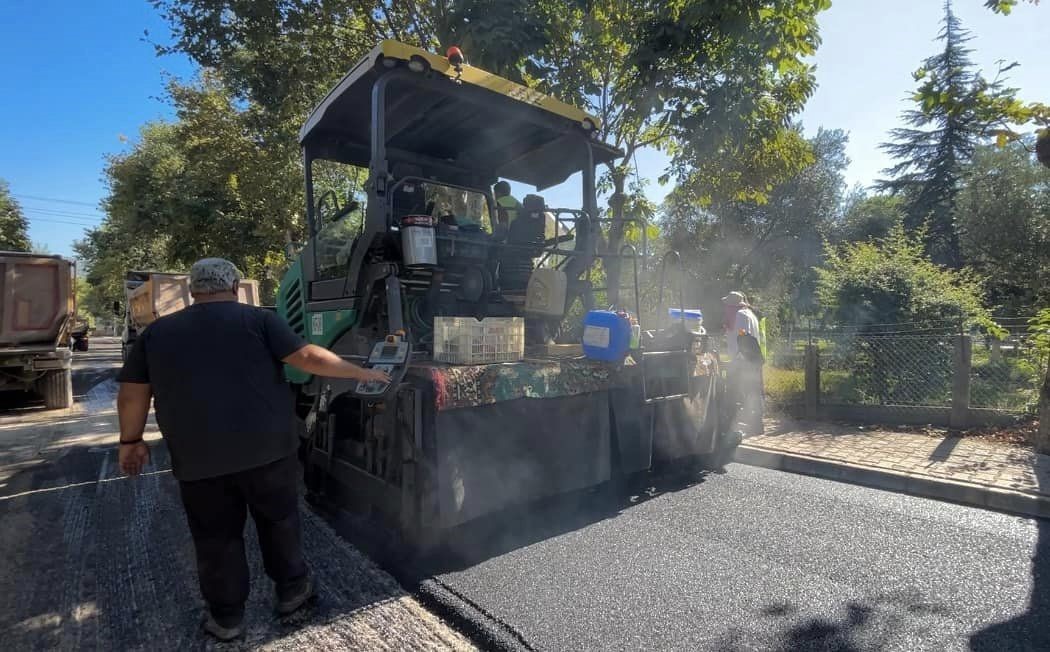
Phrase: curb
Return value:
(964, 493)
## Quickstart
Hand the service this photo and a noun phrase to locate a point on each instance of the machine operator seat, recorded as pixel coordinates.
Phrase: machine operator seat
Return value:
(525, 242)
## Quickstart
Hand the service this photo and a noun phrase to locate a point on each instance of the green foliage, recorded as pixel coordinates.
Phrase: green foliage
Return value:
(784, 387)
(203, 186)
(1003, 218)
(768, 248)
(14, 229)
(892, 281)
(1039, 329)
(729, 77)
(1005, 6)
(869, 217)
(89, 305)
(687, 76)
(957, 109)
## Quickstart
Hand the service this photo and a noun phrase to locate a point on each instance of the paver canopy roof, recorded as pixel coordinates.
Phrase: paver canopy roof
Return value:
(470, 118)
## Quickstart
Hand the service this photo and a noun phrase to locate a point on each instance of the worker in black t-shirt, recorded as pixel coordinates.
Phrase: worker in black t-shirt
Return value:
(214, 373)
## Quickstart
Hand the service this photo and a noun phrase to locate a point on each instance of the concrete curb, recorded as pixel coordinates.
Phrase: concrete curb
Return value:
(965, 493)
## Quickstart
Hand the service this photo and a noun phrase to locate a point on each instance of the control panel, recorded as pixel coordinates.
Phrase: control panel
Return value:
(390, 355)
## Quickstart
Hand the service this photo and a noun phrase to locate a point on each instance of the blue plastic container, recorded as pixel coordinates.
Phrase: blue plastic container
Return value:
(606, 336)
(694, 319)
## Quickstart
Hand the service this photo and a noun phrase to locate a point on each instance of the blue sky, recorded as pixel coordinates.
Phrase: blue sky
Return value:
(77, 76)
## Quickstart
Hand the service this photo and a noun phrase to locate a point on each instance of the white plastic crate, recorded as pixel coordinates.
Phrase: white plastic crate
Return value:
(465, 340)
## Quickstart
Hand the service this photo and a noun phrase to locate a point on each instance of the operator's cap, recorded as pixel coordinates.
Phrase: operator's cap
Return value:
(734, 299)
(211, 275)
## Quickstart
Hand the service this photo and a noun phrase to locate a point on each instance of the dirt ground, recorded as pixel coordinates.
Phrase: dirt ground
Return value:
(93, 560)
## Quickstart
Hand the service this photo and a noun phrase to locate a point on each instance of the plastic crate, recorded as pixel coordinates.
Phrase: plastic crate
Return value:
(465, 340)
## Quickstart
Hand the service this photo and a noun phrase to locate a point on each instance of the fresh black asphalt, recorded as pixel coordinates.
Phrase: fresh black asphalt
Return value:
(755, 559)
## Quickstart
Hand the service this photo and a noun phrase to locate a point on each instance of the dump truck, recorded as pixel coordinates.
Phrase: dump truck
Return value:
(390, 263)
(148, 296)
(37, 308)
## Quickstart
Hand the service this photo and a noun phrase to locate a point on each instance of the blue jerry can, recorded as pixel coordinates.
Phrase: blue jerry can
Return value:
(606, 336)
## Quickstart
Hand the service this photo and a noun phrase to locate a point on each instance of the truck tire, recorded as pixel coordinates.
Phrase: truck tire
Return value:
(57, 389)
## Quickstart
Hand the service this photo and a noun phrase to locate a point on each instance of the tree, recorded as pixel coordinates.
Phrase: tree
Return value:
(957, 110)
(1004, 6)
(767, 248)
(1003, 216)
(869, 217)
(88, 307)
(14, 229)
(716, 88)
(202, 186)
(891, 281)
(715, 80)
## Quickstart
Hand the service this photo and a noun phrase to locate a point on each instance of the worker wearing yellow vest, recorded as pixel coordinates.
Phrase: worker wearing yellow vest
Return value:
(507, 207)
(746, 345)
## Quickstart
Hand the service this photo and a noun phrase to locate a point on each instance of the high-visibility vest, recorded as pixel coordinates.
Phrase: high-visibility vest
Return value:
(509, 205)
(762, 337)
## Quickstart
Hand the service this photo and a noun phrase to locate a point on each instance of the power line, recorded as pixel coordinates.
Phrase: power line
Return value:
(49, 212)
(61, 218)
(44, 219)
(56, 200)
(60, 209)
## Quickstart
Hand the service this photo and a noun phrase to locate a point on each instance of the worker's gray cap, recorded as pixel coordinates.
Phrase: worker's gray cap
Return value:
(211, 275)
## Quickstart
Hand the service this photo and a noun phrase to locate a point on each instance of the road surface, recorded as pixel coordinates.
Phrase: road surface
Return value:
(758, 559)
(93, 560)
(749, 559)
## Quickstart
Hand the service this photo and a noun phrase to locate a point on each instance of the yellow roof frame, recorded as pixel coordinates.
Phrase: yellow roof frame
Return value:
(397, 50)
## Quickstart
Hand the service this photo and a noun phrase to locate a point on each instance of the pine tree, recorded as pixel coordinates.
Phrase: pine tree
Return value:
(14, 230)
(957, 110)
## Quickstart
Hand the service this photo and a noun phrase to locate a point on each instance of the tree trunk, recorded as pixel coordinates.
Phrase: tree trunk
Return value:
(616, 233)
(1042, 439)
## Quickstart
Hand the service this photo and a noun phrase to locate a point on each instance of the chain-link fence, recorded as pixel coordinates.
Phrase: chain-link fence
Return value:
(1006, 375)
(886, 370)
(784, 377)
(919, 374)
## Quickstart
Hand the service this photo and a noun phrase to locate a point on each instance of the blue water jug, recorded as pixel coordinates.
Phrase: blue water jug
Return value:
(694, 319)
(606, 336)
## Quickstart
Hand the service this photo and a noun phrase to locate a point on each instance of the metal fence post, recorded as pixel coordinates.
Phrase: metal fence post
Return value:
(963, 358)
(812, 381)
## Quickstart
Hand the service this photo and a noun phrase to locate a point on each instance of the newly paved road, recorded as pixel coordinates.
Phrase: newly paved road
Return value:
(759, 559)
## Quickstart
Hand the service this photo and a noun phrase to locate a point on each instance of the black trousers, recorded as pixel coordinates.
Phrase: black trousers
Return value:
(216, 509)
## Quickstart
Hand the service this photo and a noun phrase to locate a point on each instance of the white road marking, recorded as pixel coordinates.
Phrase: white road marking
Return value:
(78, 484)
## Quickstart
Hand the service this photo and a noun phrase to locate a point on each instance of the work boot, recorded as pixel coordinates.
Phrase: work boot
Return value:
(226, 632)
(289, 604)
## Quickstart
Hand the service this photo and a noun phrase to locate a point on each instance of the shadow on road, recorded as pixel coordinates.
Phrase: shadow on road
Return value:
(1030, 630)
(497, 534)
(862, 626)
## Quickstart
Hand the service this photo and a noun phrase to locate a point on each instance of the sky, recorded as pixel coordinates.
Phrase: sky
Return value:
(78, 79)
